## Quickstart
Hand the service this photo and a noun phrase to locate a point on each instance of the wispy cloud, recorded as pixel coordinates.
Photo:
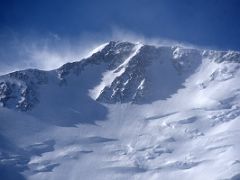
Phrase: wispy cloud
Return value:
(51, 51)
(48, 52)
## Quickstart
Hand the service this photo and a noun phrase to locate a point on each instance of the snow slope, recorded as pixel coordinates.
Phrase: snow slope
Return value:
(129, 111)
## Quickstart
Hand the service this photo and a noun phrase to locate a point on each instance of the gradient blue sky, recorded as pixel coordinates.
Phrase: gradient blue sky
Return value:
(207, 23)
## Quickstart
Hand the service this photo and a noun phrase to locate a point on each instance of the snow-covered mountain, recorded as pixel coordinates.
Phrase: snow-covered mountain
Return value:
(129, 111)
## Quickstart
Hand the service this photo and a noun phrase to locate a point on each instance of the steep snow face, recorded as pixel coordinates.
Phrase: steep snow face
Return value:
(130, 111)
(110, 76)
(157, 70)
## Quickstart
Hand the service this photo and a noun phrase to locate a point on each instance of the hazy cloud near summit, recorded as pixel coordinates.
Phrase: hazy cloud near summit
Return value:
(42, 52)
(50, 51)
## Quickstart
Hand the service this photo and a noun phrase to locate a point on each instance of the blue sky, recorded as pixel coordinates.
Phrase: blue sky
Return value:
(58, 25)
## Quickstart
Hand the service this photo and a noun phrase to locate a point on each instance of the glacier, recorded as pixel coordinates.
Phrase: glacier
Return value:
(128, 111)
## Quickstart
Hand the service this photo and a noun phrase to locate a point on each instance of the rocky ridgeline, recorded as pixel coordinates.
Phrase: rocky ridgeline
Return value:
(113, 54)
(19, 90)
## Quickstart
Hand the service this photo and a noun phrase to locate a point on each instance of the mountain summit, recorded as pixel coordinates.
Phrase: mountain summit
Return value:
(129, 111)
(123, 72)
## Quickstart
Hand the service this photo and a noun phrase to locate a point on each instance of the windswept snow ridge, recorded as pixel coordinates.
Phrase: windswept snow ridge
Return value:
(97, 49)
(129, 111)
